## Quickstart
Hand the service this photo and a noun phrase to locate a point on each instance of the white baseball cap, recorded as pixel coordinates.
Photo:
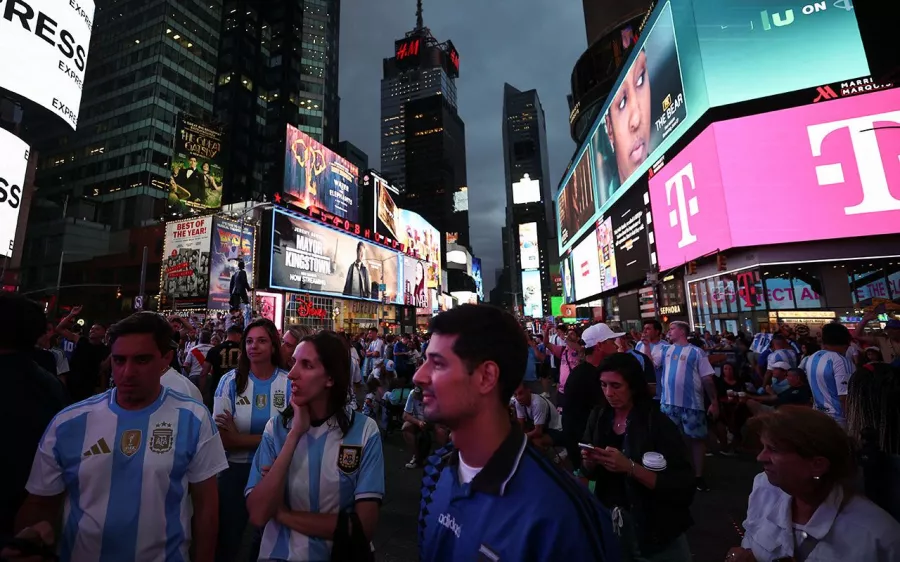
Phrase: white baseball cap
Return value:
(784, 365)
(599, 333)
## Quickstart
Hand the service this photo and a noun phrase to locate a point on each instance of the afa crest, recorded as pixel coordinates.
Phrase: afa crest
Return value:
(262, 400)
(161, 438)
(278, 399)
(131, 442)
(349, 458)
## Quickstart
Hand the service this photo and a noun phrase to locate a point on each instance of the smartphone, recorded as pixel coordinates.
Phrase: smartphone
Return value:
(586, 446)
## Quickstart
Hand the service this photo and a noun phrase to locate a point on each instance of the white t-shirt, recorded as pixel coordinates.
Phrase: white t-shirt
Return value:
(180, 383)
(195, 358)
(467, 473)
(539, 412)
(62, 364)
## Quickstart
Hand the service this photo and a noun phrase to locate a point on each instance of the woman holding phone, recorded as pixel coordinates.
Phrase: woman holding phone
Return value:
(641, 466)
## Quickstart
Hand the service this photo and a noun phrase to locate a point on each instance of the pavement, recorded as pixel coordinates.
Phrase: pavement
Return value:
(717, 514)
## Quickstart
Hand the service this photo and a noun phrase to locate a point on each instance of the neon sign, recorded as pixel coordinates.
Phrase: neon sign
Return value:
(409, 48)
(306, 309)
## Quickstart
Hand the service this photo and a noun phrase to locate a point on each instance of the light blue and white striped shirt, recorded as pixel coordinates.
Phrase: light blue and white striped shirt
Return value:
(761, 342)
(254, 407)
(684, 367)
(126, 475)
(786, 355)
(829, 374)
(328, 474)
(648, 349)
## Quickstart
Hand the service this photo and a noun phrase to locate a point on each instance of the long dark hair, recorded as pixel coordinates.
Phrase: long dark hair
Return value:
(242, 374)
(630, 369)
(334, 354)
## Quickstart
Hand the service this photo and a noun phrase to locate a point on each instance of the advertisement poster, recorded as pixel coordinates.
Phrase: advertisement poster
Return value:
(529, 253)
(45, 45)
(629, 226)
(13, 165)
(415, 291)
(648, 107)
(586, 269)
(228, 246)
(531, 293)
(606, 253)
(425, 241)
(311, 257)
(196, 182)
(568, 280)
(314, 176)
(576, 204)
(526, 190)
(476, 275)
(387, 209)
(185, 263)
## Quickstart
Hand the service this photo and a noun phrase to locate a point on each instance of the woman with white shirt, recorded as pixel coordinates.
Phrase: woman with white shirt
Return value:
(802, 507)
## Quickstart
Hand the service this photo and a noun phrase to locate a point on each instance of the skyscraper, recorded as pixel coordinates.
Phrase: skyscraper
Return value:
(530, 243)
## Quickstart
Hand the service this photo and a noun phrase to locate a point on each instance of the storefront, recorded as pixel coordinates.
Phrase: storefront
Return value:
(355, 316)
(671, 304)
(313, 311)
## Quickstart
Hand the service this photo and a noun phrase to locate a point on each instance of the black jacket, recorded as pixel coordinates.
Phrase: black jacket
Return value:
(661, 514)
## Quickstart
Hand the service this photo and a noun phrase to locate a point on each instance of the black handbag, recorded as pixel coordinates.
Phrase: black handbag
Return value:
(350, 543)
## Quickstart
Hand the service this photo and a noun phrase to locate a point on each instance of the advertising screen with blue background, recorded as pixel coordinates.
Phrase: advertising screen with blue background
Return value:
(697, 54)
(476, 275)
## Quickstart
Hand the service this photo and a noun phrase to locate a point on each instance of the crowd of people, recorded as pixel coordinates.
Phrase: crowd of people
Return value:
(174, 438)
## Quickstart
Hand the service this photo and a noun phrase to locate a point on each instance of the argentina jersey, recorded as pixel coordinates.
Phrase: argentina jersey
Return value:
(328, 474)
(761, 342)
(649, 349)
(829, 374)
(683, 368)
(126, 475)
(254, 407)
(786, 355)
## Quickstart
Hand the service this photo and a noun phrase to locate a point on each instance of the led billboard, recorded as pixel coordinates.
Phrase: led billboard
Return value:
(476, 275)
(529, 252)
(526, 191)
(45, 50)
(586, 268)
(423, 241)
(196, 182)
(567, 279)
(629, 225)
(314, 176)
(386, 210)
(229, 245)
(311, 257)
(531, 294)
(415, 291)
(606, 255)
(832, 171)
(576, 202)
(185, 263)
(13, 166)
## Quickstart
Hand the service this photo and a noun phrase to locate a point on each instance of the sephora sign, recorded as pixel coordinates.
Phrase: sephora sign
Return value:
(43, 52)
(816, 172)
(13, 164)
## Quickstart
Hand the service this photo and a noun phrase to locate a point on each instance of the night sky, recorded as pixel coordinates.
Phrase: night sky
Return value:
(528, 43)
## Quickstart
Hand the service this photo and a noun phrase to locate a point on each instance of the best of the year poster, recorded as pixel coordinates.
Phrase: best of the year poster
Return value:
(185, 263)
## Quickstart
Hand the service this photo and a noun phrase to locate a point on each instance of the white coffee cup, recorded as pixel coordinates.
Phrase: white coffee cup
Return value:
(654, 461)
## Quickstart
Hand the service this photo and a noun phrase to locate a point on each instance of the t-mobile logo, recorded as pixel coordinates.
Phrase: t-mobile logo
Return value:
(684, 207)
(876, 193)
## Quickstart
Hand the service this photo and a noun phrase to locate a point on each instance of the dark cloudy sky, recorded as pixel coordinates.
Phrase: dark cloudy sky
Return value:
(528, 43)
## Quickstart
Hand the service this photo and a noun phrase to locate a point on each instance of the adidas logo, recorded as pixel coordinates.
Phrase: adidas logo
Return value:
(243, 401)
(98, 448)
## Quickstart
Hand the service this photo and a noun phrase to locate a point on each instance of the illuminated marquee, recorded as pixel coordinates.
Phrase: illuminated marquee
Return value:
(408, 48)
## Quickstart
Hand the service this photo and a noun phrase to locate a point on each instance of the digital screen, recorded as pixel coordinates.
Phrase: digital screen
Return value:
(45, 52)
(196, 183)
(453, 55)
(531, 293)
(424, 241)
(310, 257)
(526, 191)
(314, 176)
(228, 246)
(529, 252)
(476, 275)
(415, 291)
(576, 203)
(629, 224)
(185, 262)
(13, 166)
(836, 161)
(606, 255)
(567, 279)
(461, 200)
(386, 211)
(586, 268)
(408, 48)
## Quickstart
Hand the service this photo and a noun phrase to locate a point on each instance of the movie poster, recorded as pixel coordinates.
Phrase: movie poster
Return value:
(228, 246)
(387, 208)
(310, 257)
(314, 176)
(185, 263)
(196, 182)
(415, 291)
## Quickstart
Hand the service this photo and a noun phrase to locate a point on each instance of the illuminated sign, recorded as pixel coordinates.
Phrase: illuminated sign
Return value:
(526, 191)
(674, 309)
(13, 165)
(407, 48)
(454, 57)
(848, 88)
(461, 200)
(306, 309)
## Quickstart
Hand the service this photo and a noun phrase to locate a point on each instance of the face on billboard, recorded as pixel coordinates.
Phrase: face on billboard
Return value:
(629, 224)
(196, 182)
(415, 291)
(45, 45)
(837, 161)
(228, 246)
(531, 293)
(13, 165)
(586, 268)
(606, 254)
(310, 257)
(529, 254)
(185, 264)
(314, 176)
(424, 240)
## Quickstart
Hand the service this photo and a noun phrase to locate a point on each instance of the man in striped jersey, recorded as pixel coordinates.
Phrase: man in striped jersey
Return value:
(650, 341)
(782, 352)
(123, 462)
(687, 374)
(829, 372)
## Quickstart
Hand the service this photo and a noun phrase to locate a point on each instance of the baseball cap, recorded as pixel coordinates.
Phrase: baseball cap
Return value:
(892, 324)
(599, 333)
(781, 365)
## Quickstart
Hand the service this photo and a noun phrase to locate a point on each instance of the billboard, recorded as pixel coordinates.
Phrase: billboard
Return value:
(526, 191)
(415, 291)
(423, 241)
(13, 166)
(386, 211)
(586, 268)
(606, 255)
(567, 279)
(185, 264)
(311, 257)
(228, 246)
(836, 161)
(531, 293)
(196, 182)
(314, 176)
(629, 226)
(45, 45)
(529, 252)
(576, 203)
(476, 275)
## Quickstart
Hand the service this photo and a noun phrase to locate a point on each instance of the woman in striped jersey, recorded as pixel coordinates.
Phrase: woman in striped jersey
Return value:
(246, 399)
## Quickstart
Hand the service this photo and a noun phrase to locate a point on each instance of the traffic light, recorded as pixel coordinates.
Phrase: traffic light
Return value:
(721, 262)
(692, 268)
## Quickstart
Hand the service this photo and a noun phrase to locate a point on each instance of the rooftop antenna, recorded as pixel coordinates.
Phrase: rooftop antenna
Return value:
(419, 22)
